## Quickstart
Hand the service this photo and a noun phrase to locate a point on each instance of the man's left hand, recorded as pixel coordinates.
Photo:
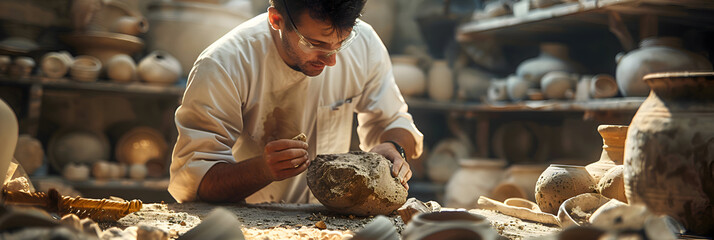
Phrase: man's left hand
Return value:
(400, 167)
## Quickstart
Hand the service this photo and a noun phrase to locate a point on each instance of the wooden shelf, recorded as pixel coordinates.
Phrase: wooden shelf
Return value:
(585, 18)
(101, 86)
(605, 104)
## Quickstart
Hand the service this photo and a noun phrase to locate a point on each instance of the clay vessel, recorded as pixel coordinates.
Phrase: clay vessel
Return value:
(8, 136)
(497, 91)
(517, 88)
(668, 151)
(138, 171)
(75, 172)
(560, 182)
(558, 85)
(121, 68)
(472, 84)
(139, 145)
(409, 77)
(553, 57)
(449, 225)
(575, 210)
(196, 24)
(613, 150)
(441, 81)
(76, 146)
(131, 25)
(22, 67)
(612, 184)
(85, 68)
(159, 68)
(56, 64)
(519, 183)
(443, 160)
(381, 15)
(475, 178)
(5, 62)
(29, 153)
(656, 54)
(603, 86)
(381, 228)
(358, 183)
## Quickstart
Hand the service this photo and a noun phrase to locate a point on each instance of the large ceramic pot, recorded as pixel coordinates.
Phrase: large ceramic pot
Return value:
(613, 150)
(475, 178)
(669, 151)
(553, 57)
(441, 81)
(449, 225)
(409, 77)
(663, 54)
(184, 29)
(560, 182)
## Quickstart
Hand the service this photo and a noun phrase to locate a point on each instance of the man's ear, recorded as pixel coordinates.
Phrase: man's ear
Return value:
(274, 18)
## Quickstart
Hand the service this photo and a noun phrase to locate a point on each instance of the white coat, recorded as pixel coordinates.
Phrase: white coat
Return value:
(241, 95)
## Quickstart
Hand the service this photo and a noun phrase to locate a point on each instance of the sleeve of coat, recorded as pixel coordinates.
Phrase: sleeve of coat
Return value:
(209, 121)
(382, 106)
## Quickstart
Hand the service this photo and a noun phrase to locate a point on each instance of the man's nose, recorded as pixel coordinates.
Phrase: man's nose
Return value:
(328, 60)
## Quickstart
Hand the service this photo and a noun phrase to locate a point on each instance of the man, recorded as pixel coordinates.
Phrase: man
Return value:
(305, 66)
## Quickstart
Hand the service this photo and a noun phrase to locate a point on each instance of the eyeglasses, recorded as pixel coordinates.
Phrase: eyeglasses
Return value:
(307, 47)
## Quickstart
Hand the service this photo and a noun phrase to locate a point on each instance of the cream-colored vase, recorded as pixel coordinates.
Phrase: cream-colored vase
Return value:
(409, 77)
(553, 57)
(613, 150)
(159, 68)
(560, 182)
(656, 54)
(121, 68)
(558, 85)
(441, 81)
(475, 178)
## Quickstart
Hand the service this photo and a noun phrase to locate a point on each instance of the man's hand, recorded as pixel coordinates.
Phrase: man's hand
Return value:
(285, 158)
(400, 167)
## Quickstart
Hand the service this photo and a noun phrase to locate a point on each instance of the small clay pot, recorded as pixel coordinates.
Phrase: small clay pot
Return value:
(159, 68)
(517, 88)
(558, 85)
(497, 91)
(472, 84)
(102, 170)
(121, 68)
(29, 153)
(85, 68)
(138, 171)
(380, 228)
(559, 183)
(441, 81)
(603, 86)
(76, 172)
(612, 184)
(553, 57)
(131, 25)
(56, 64)
(613, 150)
(449, 225)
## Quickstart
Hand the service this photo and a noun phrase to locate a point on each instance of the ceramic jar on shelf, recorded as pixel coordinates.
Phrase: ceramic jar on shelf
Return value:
(159, 68)
(669, 149)
(475, 178)
(553, 57)
(441, 81)
(656, 54)
(56, 64)
(409, 77)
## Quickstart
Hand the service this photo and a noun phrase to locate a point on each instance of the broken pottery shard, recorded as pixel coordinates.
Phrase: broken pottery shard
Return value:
(300, 137)
(358, 183)
(413, 207)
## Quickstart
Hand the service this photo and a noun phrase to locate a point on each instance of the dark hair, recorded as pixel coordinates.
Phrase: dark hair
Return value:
(342, 14)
